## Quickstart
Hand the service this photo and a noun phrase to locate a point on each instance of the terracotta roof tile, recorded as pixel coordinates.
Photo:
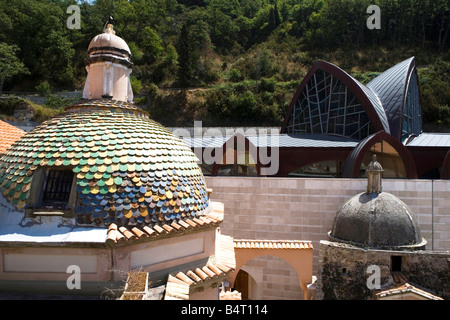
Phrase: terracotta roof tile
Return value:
(208, 271)
(214, 269)
(230, 295)
(183, 277)
(8, 135)
(272, 244)
(402, 286)
(139, 233)
(223, 264)
(116, 234)
(167, 228)
(201, 274)
(176, 226)
(193, 276)
(176, 289)
(184, 224)
(149, 230)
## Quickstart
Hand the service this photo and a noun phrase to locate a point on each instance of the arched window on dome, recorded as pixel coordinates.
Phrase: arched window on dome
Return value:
(52, 191)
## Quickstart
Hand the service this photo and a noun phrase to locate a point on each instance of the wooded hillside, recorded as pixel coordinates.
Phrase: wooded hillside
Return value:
(241, 60)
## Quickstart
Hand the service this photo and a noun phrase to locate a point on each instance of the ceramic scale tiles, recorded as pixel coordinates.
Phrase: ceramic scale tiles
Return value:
(128, 168)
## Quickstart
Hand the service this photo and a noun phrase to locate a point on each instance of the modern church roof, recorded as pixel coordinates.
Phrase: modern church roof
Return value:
(394, 86)
(330, 101)
(277, 140)
(431, 140)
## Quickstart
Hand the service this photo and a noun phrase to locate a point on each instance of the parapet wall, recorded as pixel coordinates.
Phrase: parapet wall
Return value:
(304, 209)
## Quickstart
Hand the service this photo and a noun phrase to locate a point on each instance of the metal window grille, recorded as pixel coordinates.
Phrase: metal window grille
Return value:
(58, 185)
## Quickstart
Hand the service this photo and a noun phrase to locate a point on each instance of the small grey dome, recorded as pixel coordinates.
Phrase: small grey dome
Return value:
(377, 220)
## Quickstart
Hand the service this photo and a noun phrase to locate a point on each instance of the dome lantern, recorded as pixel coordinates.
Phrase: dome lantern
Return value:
(374, 176)
(109, 67)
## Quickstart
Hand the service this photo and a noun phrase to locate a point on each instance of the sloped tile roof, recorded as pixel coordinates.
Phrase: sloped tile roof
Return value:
(402, 286)
(8, 135)
(230, 295)
(121, 234)
(272, 244)
(179, 283)
(127, 234)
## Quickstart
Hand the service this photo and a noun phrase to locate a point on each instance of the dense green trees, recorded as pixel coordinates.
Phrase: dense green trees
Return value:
(10, 65)
(224, 45)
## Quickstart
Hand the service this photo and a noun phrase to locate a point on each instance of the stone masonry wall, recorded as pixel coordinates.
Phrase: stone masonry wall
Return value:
(304, 209)
(344, 271)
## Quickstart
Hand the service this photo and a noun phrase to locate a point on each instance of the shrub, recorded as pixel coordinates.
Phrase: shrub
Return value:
(267, 84)
(235, 75)
(44, 89)
(136, 85)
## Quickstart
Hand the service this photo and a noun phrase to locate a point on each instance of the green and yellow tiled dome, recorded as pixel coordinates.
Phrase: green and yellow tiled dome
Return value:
(128, 168)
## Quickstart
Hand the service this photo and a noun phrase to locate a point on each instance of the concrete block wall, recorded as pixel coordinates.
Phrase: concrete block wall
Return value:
(304, 209)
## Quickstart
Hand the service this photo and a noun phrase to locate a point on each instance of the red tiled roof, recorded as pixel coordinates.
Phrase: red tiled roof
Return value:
(8, 135)
(122, 234)
(230, 295)
(272, 244)
(178, 284)
(402, 286)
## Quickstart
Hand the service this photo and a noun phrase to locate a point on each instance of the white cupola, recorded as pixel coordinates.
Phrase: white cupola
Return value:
(109, 68)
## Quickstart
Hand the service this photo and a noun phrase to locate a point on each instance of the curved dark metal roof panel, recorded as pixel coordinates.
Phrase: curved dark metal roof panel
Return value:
(390, 87)
(377, 105)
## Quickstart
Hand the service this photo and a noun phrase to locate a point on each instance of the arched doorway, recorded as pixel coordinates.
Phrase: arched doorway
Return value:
(241, 283)
(294, 254)
(268, 278)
